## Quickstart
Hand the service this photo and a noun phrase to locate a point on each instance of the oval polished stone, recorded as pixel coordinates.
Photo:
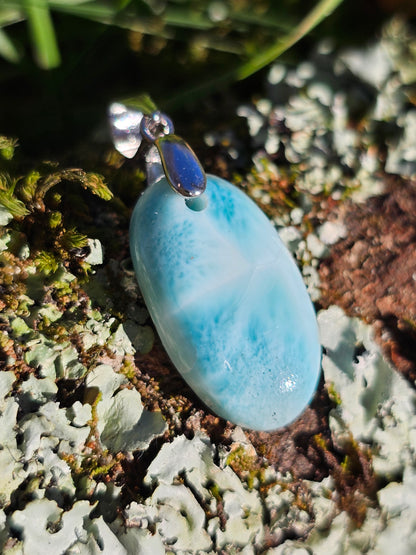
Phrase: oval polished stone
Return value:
(228, 302)
(182, 168)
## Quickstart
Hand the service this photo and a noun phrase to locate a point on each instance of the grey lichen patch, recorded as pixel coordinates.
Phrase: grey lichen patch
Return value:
(378, 406)
(67, 419)
(376, 403)
(54, 360)
(13, 471)
(36, 521)
(121, 421)
(327, 123)
(325, 115)
(234, 512)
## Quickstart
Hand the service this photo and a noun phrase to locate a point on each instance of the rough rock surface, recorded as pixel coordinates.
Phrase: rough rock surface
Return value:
(372, 272)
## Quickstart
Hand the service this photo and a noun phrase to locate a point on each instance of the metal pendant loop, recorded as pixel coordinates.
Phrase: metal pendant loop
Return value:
(156, 125)
(176, 159)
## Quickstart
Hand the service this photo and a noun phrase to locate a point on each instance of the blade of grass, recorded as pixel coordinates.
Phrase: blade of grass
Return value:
(132, 18)
(212, 42)
(171, 17)
(146, 25)
(177, 17)
(108, 15)
(43, 33)
(322, 10)
(8, 49)
(263, 21)
(10, 13)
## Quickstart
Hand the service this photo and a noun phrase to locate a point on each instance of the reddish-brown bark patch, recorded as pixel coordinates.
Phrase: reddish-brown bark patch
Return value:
(372, 272)
(293, 448)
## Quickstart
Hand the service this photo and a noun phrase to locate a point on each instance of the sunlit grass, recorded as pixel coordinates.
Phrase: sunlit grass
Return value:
(255, 33)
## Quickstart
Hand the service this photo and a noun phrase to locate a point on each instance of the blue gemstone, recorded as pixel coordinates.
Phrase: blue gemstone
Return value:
(182, 168)
(228, 302)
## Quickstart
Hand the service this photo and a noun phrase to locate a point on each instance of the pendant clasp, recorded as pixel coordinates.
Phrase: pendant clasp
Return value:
(166, 154)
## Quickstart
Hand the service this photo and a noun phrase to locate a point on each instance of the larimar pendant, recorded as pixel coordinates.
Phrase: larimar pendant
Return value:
(225, 295)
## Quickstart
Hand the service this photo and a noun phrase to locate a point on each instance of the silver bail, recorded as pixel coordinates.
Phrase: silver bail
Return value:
(125, 128)
(167, 154)
(156, 125)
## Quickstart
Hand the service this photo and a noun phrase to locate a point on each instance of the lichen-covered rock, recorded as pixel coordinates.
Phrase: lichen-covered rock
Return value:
(36, 523)
(376, 403)
(13, 472)
(398, 502)
(122, 423)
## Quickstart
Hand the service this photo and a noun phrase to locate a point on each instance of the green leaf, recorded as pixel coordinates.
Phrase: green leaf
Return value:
(182, 517)
(96, 252)
(143, 103)
(43, 33)
(123, 423)
(11, 12)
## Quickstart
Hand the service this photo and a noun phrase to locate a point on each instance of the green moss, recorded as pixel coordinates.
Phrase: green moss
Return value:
(215, 491)
(8, 198)
(346, 464)
(320, 441)
(128, 368)
(246, 465)
(27, 186)
(46, 262)
(333, 394)
(55, 219)
(353, 476)
(274, 190)
(72, 239)
(96, 469)
(7, 147)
